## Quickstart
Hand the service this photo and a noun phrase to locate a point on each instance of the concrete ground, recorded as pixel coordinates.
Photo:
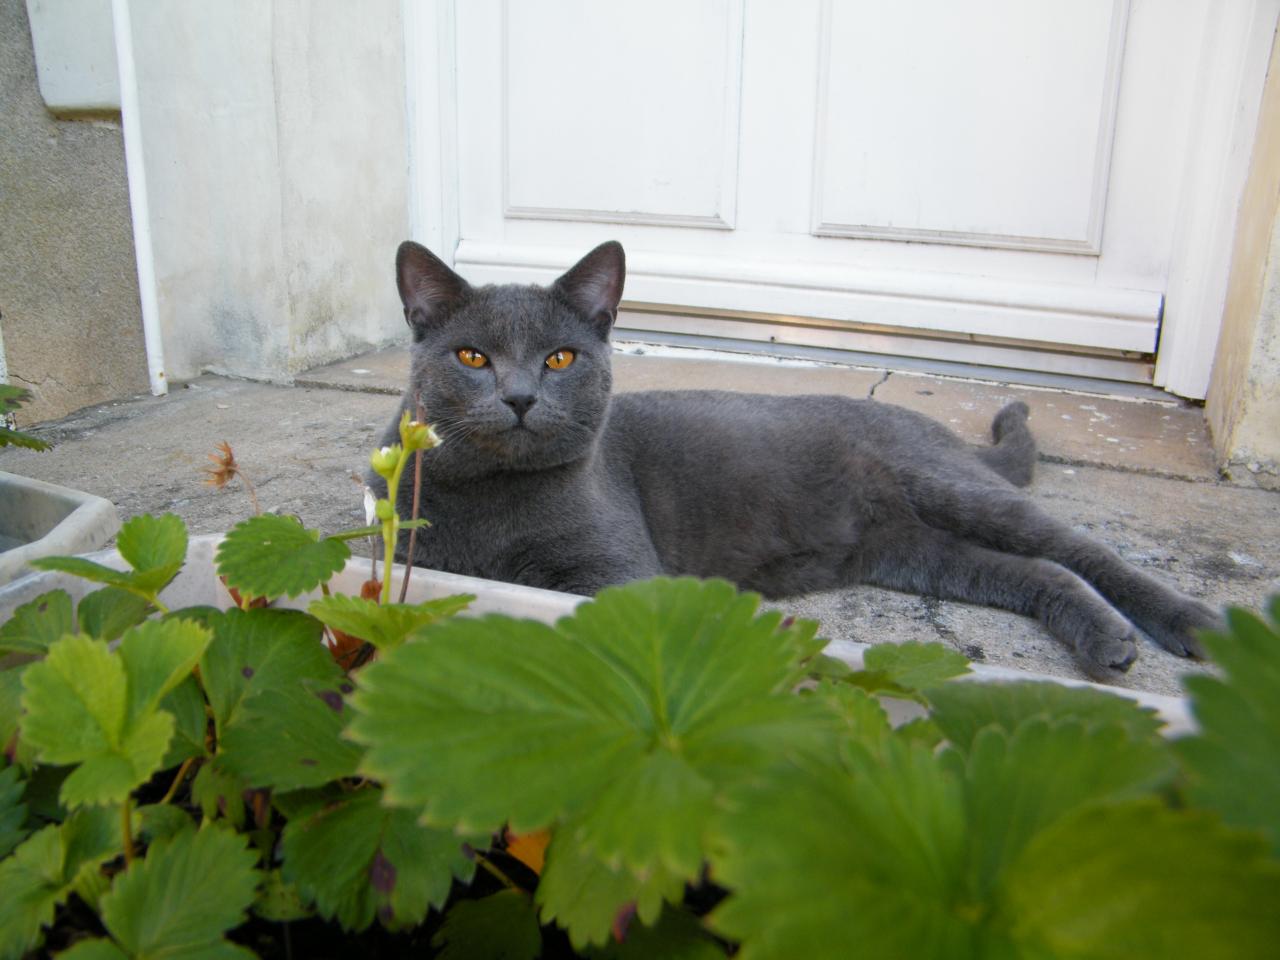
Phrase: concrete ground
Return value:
(1137, 473)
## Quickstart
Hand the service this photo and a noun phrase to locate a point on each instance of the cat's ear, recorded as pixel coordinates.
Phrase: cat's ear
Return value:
(429, 290)
(593, 286)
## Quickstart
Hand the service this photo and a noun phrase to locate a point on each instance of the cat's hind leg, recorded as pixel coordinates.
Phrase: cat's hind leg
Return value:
(933, 562)
(1013, 450)
(1005, 520)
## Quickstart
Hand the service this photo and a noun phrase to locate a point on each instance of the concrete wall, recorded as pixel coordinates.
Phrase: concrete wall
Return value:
(69, 311)
(1243, 406)
(277, 165)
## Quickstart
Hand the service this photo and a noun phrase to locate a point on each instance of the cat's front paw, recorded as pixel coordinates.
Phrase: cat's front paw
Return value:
(1103, 657)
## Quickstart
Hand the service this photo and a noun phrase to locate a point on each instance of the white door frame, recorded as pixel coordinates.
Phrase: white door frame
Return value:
(1216, 164)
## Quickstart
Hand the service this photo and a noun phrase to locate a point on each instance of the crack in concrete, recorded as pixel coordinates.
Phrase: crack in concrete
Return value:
(871, 394)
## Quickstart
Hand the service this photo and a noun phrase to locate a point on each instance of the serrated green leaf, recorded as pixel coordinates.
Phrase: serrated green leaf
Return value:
(1022, 784)
(43, 870)
(256, 650)
(219, 793)
(186, 703)
(356, 859)
(11, 397)
(272, 556)
(584, 895)
(32, 627)
(676, 936)
(16, 438)
(163, 821)
(905, 669)
(861, 716)
(962, 709)
(1234, 760)
(673, 688)
(867, 864)
(156, 547)
(1138, 881)
(384, 625)
(183, 896)
(502, 926)
(157, 656)
(109, 612)
(89, 706)
(85, 570)
(291, 737)
(13, 812)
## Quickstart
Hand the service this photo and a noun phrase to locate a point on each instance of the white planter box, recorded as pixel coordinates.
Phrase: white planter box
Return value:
(41, 519)
(198, 584)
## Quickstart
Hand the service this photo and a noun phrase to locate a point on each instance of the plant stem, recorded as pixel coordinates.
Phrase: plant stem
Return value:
(257, 509)
(390, 532)
(181, 775)
(127, 832)
(417, 494)
(502, 877)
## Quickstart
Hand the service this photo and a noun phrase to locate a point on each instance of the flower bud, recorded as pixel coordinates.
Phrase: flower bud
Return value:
(383, 510)
(416, 435)
(384, 461)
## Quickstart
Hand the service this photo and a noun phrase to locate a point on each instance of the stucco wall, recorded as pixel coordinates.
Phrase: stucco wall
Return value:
(275, 142)
(69, 311)
(1243, 406)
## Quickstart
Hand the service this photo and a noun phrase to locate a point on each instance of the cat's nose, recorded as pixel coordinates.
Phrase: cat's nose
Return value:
(520, 402)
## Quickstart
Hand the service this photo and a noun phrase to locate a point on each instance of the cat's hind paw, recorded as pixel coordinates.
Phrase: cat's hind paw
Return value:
(1104, 657)
(1176, 630)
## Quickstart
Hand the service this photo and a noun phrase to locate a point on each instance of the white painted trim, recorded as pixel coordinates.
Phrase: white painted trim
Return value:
(1091, 245)
(139, 205)
(430, 45)
(1055, 314)
(725, 217)
(1233, 66)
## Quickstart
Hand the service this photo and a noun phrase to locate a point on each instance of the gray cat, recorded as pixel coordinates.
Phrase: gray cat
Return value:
(546, 479)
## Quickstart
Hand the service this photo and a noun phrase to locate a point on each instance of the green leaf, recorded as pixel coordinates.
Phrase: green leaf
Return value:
(32, 627)
(904, 669)
(384, 625)
(109, 612)
(272, 556)
(861, 716)
(163, 821)
(1139, 880)
(89, 706)
(676, 936)
(16, 438)
(186, 703)
(962, 709)
(45, 868)
(1021, 784)
(662, 692)
(1234, 761)
(156, 547)
(584, 895)
(219, 793)
(279, 900)
(356, 859)
(183, 896)
(291, 738)
(867, 864)
(15, 749)
(502, 926)
(96, 948)
(256, 650)
(13, 812)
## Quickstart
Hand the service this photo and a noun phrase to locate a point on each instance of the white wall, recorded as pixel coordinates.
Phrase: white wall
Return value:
(275, 146)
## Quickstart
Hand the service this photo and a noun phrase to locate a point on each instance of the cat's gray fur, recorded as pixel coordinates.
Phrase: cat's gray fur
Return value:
(546, 479)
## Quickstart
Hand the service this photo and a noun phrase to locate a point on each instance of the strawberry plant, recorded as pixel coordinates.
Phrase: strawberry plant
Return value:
(669, 772)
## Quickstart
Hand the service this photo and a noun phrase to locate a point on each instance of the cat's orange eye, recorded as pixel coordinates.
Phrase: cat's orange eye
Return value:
(473, 358)
(560, 359)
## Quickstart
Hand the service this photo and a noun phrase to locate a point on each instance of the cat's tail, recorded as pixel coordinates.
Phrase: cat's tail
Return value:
(1013, 453)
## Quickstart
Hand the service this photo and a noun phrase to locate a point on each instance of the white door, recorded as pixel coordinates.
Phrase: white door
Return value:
(1008, 182)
